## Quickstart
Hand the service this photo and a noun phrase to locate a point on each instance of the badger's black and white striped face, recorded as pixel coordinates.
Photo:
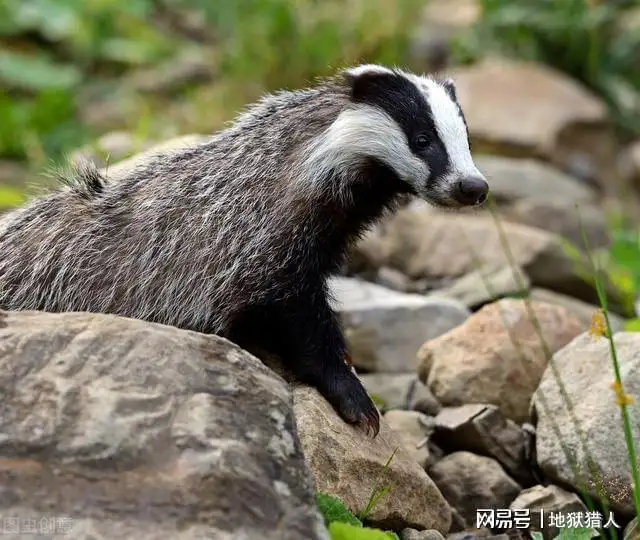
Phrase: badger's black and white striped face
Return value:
(415, 126)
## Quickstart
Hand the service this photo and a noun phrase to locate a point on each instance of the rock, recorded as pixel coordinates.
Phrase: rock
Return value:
(412, 428)
(584, 367)
(401, 391)
(440, 22)
(425, 244)
(385, 328)
(347, 464)
(479, 363)
(558, 119)
(514, 179)
(483, 429)
(485, 285)
(582, 311)
(563, 219)
(138, 430)
(412, 534)
(118, 170)
(470, 482)
(470, 534)
(541, 501)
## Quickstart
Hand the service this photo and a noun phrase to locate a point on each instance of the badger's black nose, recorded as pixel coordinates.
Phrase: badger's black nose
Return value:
(472, 190)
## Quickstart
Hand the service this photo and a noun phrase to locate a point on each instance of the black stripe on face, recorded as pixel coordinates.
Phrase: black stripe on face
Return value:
(405, 103)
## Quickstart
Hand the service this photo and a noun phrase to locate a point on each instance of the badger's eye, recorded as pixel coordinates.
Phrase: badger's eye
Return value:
(422, 141)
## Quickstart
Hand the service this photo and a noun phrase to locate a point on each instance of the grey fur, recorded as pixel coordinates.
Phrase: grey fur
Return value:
(187, 240)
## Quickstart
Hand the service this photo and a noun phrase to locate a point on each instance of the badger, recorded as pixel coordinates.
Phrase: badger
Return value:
(238, 235)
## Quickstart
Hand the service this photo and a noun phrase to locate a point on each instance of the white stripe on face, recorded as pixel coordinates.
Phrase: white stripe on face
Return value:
(367, 131)
(449, 125)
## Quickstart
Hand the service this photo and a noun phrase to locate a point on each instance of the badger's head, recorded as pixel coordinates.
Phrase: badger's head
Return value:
(413, 126)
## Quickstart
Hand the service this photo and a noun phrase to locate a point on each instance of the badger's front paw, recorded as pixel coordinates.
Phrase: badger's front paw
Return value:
(353, 404)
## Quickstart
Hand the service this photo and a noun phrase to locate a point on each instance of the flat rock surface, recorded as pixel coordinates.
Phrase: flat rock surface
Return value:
(134, 430)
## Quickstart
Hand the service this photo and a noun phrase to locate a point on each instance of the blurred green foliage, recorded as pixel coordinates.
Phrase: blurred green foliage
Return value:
(597, 42)
(53, 50)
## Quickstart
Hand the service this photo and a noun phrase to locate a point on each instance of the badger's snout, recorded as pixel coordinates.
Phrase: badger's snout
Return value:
(471, 190)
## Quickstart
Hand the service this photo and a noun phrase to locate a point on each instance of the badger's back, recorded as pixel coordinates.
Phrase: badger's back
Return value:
(186, 239)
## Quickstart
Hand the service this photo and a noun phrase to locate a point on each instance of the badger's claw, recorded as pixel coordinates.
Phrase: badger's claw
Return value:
(353, 404)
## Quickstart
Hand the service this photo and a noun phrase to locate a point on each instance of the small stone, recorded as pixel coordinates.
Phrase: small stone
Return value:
(470, 534)
(426, 244)
(470, 482)
(412, 534)
(485, 285)
(483, 429)
(541, 501)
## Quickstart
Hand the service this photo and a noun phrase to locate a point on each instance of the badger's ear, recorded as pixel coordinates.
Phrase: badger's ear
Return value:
(365, 78)
(450, 86)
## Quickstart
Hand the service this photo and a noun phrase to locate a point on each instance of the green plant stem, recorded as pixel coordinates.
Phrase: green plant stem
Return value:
(626, 421)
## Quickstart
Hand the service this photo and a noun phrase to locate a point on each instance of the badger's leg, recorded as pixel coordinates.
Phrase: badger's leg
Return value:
(315, 351)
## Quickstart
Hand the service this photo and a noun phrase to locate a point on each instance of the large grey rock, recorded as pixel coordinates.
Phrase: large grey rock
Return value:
(563, 218)
(585, 371)
(137, 430)
(348, 464)
(514, 179)
(385, 328)
(470, 482)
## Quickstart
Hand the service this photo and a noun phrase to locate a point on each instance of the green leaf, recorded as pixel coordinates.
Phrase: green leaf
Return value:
(344, 531)
(30, 72)
(536, 535)
(333, 510)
